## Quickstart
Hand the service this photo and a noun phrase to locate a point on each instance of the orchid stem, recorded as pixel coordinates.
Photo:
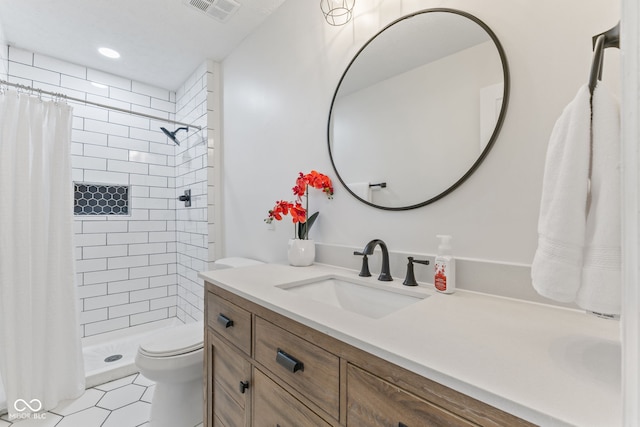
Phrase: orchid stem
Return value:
(306, 227)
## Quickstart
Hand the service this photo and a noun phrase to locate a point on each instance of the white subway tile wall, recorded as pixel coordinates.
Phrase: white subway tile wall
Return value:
(191, 173)
(127, 266)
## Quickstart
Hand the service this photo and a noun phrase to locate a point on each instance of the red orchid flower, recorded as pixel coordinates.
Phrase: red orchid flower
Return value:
(315, 180)
(301, 185)
(321, 182)
(281, 208)
(298, 213)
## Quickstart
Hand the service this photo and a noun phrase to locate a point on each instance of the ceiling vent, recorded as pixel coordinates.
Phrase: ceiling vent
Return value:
(220, 10)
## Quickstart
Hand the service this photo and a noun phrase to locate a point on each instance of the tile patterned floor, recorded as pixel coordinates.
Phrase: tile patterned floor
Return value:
(121, 403)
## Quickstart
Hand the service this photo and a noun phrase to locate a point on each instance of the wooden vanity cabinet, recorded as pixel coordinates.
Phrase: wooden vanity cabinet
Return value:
(264, 369)
(229, 321)
(275, 407)
(374, 402)
(230, 396)
(317, 375)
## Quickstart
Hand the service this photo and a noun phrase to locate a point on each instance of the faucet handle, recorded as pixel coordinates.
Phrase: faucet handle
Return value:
(364, 271)
(410, 279)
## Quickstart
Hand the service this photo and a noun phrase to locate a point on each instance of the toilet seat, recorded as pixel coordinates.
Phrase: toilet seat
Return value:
(176, 341)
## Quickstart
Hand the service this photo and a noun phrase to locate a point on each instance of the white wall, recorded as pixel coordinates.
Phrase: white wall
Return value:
(277, 90)
(4, 55)
(630, 35)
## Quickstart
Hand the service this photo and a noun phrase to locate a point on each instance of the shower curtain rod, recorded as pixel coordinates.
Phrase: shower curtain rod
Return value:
(109, 107)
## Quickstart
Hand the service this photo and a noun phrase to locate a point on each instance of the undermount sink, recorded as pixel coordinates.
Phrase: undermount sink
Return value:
(374, 301)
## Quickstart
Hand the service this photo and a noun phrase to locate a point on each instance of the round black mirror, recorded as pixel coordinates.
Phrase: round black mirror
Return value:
(418, 109)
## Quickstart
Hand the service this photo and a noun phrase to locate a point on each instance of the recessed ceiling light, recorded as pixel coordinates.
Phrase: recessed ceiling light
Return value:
(109, 53)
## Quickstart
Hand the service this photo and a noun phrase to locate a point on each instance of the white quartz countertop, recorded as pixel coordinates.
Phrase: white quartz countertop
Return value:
(551, 366)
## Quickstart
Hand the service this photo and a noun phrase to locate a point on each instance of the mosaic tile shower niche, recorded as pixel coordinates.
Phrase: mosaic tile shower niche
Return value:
(100, 199)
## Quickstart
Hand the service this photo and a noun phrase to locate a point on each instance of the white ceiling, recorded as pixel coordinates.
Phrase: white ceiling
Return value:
(161, 41)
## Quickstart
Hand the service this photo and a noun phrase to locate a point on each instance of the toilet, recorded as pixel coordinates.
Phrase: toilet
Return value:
(173, 358)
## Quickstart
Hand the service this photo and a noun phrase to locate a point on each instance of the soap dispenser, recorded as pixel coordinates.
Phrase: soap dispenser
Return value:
(445, 267)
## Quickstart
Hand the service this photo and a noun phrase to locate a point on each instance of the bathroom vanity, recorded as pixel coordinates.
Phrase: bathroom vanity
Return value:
(277, 357)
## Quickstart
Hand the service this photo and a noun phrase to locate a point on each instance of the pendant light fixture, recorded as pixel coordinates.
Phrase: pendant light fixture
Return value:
(337, 12)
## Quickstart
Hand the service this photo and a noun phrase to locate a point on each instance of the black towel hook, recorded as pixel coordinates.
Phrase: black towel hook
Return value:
(602, 41)
(611, 36)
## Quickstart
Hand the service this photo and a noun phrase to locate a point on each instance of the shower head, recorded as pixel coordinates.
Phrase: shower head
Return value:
(172, 135)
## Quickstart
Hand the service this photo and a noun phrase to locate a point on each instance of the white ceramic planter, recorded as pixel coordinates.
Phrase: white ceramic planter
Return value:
(301, 252)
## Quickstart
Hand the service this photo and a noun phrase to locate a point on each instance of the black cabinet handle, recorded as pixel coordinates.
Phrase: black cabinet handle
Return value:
(289, 362)
(244, 385)
(225, 321)
(402, 425)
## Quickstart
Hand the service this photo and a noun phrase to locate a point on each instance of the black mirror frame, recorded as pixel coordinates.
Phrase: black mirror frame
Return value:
(494, 135)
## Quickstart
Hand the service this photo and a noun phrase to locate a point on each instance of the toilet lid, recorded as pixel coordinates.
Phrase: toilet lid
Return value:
(174, 341)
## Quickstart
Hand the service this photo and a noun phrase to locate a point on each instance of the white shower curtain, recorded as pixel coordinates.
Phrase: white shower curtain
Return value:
(40, 351)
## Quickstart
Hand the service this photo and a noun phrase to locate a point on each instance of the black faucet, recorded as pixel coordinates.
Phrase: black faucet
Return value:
(410, 280)
(385, 274)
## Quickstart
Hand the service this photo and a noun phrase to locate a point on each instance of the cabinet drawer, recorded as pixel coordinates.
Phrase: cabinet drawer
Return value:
(230, 321)
(374, 402)
(275, 407)
(317, 374)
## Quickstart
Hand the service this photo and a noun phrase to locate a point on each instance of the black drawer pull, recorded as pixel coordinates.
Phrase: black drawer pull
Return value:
(402, 425)
(225, 321)
(244, 385)
(289, 362)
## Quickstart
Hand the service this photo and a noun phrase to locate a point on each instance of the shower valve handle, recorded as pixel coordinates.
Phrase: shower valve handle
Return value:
(186, 198)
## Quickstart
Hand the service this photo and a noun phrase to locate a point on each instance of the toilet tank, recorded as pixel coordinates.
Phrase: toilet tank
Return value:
(234, 262)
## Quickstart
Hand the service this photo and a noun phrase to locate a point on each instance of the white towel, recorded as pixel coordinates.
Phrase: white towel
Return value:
(557, 265)
(362, 190)
(601, 288)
